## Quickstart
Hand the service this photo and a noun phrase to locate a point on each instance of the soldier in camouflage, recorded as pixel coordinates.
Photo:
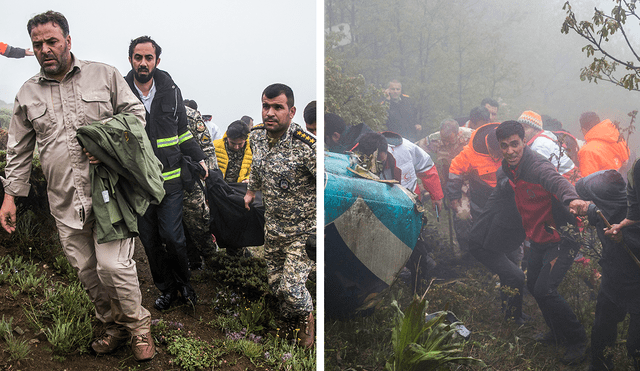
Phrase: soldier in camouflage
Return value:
(443, 146)
(195, 213)
(284, 168)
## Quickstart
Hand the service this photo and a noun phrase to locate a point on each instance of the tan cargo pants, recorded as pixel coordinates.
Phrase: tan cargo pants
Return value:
(108, 273)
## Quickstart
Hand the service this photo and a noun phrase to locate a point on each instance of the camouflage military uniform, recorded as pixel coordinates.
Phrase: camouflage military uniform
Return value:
(286, 174)
(443, 154)
(234, 164)
(195, 215)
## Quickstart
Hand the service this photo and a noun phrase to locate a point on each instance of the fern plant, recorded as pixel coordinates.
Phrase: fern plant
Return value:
(424, 345)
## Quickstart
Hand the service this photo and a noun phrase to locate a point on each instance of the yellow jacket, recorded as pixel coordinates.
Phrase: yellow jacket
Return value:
(223, 158)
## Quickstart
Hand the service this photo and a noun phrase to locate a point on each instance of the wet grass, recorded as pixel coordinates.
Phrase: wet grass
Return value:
(364, 342)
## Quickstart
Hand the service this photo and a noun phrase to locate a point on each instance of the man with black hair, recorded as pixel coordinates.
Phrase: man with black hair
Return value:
(340, 138)
(404, 161)
(234, 153)
(478, 116)
(161, 230)
(546, 202)
(48, 110)
(492, 106)
(191, 104)
(284, 168)
(310, 117)
(604, 148)
(334, 127)
(247, 120)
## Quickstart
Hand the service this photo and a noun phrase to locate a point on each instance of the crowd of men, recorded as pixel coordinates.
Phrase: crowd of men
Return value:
(512, 187)
(141, 147)
(523, 179)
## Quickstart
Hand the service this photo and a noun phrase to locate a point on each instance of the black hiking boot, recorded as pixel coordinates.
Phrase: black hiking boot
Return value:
(575, 354)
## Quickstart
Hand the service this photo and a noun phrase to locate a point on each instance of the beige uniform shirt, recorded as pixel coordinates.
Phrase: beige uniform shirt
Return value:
(48, 113)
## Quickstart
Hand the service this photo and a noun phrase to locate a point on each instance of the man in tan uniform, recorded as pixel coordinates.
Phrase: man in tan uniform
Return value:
(66, 94)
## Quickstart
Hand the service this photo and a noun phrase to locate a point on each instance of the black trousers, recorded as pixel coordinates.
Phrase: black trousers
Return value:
(162, 236)
(506, 266)
(548, 263)
(605, 332)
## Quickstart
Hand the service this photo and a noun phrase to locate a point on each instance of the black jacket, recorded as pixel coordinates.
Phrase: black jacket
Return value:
(499, 225)
(620, 274)
(403, 118)
(168, 131)
(232, 224)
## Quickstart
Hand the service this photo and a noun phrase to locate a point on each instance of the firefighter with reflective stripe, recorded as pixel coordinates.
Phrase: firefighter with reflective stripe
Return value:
(161, 230)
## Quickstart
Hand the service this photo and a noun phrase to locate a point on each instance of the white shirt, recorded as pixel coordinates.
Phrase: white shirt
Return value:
(412, 160)
(546, 144)
(213, 130)
(149, 98)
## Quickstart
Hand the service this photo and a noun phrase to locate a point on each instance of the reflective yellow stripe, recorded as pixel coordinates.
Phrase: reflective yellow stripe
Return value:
(166, 142)
(171, 174)
(184, 137)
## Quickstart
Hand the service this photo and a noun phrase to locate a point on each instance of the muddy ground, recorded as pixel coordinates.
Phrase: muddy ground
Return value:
(193, 320)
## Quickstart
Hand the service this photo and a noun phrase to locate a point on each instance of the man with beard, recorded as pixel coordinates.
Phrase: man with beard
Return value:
(66, 94)
(161, 230)
(284, 168)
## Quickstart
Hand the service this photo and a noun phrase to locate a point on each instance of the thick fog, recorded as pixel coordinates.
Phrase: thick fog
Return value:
(449, 55)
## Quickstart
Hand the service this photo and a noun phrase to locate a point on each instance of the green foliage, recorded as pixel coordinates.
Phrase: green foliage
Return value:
(284, 355)
(246, 274)
(424, 346)
(608, 55)
(446, 60)
(252, 350)
(350, 97)
(226, 323)
(5, 118)
(193, 354)
(64, 315)
(255, 315)
(69, 333)
(64, 268)
(6, 327)
(18, 349)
